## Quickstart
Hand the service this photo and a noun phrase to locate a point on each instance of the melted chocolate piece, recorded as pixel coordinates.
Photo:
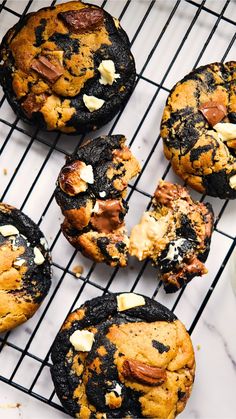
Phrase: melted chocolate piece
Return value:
(82, 20)
(47, 69)
(107, 218)
(33, 103)
(214, 112)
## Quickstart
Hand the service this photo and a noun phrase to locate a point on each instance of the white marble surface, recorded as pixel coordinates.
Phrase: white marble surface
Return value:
(214, 335)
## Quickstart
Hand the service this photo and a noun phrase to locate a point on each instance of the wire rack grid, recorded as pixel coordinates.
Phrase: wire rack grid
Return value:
(168, 39)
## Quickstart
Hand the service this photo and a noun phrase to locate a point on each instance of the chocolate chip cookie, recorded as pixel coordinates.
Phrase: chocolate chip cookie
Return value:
(67, 67)
(175, 235)
(199, 129)
(25, 273)
(123, 356)
(90, 191)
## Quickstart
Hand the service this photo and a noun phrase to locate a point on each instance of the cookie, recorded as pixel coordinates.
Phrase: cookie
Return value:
(123, 356)
(199, 129)
(67, 67)
(90, 191)
(175, 235)
(25, 272)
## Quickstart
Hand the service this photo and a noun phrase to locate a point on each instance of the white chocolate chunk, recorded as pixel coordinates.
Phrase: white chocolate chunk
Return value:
(174, 250)
(82, 340)
(117, 22)
(44, 243)
(38, 257)
(96, 208)
(108, 72)
(129, 300)
(102, 194)
(86, 174)
(226, 130)
(232, 182)
(93, 103)
(117, 389)
(145, 235)
(8, 230)
(13, 243)
(19, 262)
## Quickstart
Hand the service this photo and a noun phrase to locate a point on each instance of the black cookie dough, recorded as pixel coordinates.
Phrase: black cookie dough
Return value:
(198, 152)
(90, 191)
(175, 235)
(141, 362)
(25, 273)
(50, 60)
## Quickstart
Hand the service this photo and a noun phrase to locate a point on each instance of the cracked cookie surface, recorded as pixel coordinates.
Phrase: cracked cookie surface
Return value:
(25, 267)
(138, 363)
(90, 191)
(67, 67)
(199, 129)
(175, 235)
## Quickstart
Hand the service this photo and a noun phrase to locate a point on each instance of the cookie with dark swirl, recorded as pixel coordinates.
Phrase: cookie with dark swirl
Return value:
(175, 235)
(25, 267)
(199, 129)
(67, 67)
(123, 356)
(90, 191)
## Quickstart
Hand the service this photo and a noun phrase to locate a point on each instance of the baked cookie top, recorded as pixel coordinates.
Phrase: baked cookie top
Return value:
(25, 273)
(90, 191)
(67, 67)
(123, 356)
(199, 129)
(175, 235)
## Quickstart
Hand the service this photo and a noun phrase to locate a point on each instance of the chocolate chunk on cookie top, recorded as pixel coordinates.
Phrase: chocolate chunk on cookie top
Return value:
(123, 356)
(25, 273)
(199, 129)
(90, 191)
(175, 235)
(67, 67)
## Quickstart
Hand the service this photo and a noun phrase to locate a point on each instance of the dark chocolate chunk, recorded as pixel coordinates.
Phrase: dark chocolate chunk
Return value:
(82, 20)
(39, 32)
(46, 69)
(33, 103)
(160, 346)
(214, 112)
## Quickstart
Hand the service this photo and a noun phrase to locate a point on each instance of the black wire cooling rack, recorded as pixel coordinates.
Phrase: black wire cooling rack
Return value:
(168, 39)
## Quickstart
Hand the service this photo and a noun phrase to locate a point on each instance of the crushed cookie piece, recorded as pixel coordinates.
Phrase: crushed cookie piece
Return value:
(78, 270)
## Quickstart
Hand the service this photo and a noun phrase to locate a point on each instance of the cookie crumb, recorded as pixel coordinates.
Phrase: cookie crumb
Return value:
(78, 270)
(5, 171)
(198, 347)
(10, 405)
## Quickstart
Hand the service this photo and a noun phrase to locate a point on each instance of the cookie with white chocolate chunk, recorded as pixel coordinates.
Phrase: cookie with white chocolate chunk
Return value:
(175, 235)
(25, 267)
(123, 356)
(67, 67)
(90, 191)
(199, 129)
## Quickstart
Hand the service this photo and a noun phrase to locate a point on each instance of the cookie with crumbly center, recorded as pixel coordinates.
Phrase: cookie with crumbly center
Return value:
(175, 235)
(90, 191)
(123, 356)
(67, 67)
(25, 267)
(199, 129)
